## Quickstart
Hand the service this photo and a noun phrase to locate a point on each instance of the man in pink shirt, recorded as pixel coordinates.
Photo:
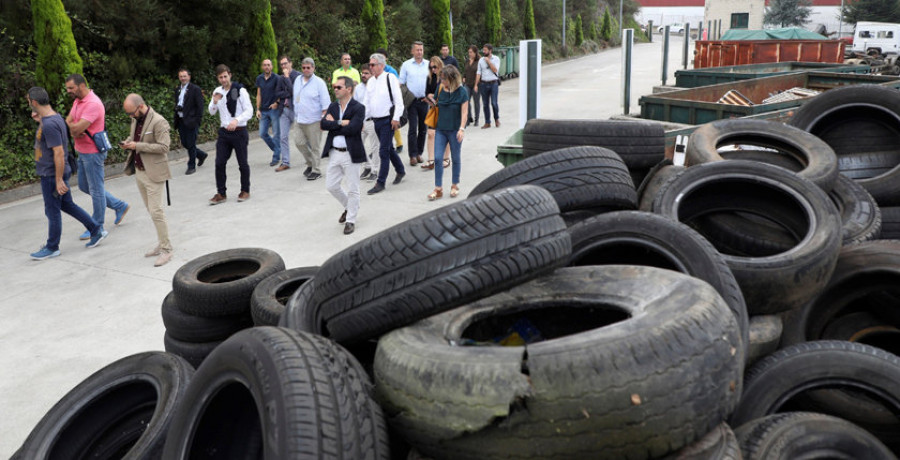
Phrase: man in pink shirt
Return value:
(87, 118)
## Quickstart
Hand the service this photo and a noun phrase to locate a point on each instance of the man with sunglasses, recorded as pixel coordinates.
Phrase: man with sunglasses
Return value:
(148, 162)
(311, 99)
(344, 149)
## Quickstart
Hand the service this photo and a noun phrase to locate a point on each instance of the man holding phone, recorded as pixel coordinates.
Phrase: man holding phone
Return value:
(148, 162)
(50, 151)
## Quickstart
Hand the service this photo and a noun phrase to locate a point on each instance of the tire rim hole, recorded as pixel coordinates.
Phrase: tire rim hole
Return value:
(228, 271)
(851, 403)
(539, 323)
(97, 429)
(783, 156)
(229, 425)
(284, 292)
(626, 253)
(745, 197)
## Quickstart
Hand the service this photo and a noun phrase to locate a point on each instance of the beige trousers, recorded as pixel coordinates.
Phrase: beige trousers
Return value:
(309, 142)
(152, 194)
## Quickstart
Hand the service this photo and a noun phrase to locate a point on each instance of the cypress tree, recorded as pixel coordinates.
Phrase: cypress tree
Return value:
(373, 21)
(606, 28)
(492, 21)
(579, 31)
(57, 53)
(443, 34)
(530, 32)
(263, 37)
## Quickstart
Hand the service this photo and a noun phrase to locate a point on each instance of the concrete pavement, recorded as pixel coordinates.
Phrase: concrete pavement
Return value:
(65, 318)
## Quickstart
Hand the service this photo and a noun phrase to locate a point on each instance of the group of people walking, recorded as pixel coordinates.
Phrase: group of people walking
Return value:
(361, 127)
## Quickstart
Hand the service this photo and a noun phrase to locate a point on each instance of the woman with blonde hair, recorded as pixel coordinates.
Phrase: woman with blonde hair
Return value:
(453, 105)
(436, 64)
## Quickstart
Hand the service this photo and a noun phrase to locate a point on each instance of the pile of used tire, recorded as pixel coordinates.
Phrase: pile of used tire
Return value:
(739, 307)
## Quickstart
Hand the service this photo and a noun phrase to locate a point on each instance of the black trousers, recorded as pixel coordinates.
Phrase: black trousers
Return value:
(237, 141)
(415, 138)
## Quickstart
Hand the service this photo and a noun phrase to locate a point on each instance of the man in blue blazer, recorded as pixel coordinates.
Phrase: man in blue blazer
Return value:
(344, 147)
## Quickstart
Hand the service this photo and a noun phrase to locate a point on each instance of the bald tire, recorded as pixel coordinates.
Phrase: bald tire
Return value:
(643, 238)
(121, 411)
(862, 126)
(794, 435)
(271, 295)
(653, 382)
(221, 283)
(641, 144)
(820, 365)
(579, 178)
(718, 444)
(278, 394)
(818, 161)
(438, 260)
(191, 328)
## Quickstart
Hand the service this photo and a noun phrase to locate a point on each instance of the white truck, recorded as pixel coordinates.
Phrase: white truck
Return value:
(876, 38)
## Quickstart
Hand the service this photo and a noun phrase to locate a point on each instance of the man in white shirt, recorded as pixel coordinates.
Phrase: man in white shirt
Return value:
(311, 100)
(487, 82)
(232, 102)
(370, 138)
(414, 74)
(384, 105)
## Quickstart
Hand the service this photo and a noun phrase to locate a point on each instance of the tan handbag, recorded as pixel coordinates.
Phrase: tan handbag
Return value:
(431, 117)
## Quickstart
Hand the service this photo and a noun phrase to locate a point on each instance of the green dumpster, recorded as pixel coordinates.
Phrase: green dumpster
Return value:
(509, 61)
(510, 151)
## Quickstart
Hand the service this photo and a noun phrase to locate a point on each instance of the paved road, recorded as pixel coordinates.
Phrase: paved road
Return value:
(65, 318)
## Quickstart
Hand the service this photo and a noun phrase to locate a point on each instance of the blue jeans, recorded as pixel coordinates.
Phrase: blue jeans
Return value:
(54, 203)
(271, 118)
(489, 99)
(90, 181)
(386, 151)
(188, 138)
(285, 122)
(441, 139)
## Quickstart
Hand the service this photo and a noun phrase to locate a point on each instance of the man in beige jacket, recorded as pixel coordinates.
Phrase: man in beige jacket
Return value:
(148, 161)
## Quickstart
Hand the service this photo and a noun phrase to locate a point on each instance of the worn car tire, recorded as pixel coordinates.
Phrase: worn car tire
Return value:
(271, 295)
(770, 282)
(579, 178)
(861, 123)
(794, 435)
(434, 262)
(191, 328)
(800, 370)
(631, 362)
(121, 411)
(641, 144)
(765, 335)
(642, 238)
(221, 283)
(276, 393)
(192, 352)
(890, 223)
(818, 159)
(718, 444)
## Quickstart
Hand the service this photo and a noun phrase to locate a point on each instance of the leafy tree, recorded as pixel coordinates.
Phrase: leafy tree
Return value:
(529, 21)
(443, 34)
(373, 22)
(57, 54)
(579, 31)
(787, 13)
(492, 21)
(263, 37)
(606, 25)
(872, 10)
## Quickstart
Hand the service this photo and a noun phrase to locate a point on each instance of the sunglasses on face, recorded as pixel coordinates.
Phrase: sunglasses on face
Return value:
(306, 67)
(433, 67)
(336, 88)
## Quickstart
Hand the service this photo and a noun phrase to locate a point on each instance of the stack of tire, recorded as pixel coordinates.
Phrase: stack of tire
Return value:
(546, 316)
(211, 299)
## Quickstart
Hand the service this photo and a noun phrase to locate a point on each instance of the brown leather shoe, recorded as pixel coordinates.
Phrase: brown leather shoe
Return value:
(282, 168)
(497, 123)
(486, 126)
(164, 258)
(217, 199)
(413, 161)
(243, 196)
